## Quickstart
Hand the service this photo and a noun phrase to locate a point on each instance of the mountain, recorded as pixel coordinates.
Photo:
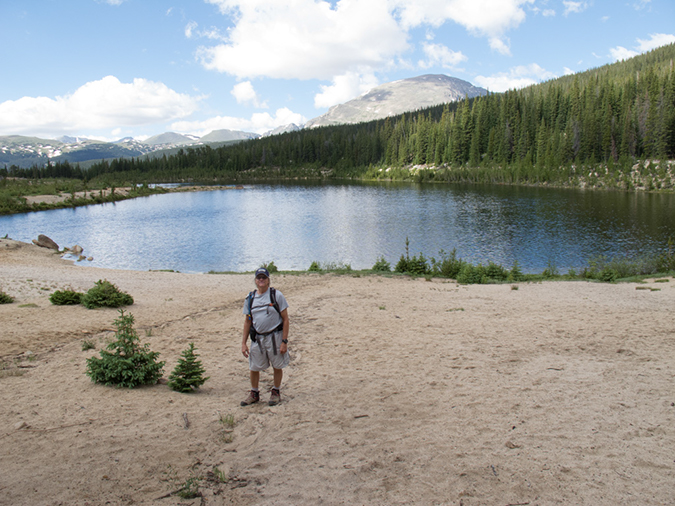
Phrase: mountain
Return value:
(398, 97)
(28, 151)
(227, 135)
(170, 138)
(385, 100)
(283, 129)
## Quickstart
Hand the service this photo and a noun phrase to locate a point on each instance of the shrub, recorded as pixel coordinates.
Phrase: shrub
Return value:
(105, 294)
(551, 270)
(496, 272)
(315, 267)
(516, 274)
(448, 265)
(418, 265)
(608, 275)
(125, 363)
(66, 298)
(5, 299)
(402, 265)
(381, 265)
(472, 275)
(188, 373)
(271, 268)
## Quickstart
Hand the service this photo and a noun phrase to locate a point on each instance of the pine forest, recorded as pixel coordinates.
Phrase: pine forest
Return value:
(609, 127)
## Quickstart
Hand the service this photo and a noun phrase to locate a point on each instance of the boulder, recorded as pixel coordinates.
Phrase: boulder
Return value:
(45, 242)
(76, 250)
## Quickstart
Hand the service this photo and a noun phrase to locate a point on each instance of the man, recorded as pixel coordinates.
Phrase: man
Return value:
(267, 323)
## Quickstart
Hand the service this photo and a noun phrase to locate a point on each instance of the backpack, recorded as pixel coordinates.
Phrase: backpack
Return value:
(253, 333)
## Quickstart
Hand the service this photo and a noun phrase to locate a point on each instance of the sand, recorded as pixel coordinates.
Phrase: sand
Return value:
(399, 391)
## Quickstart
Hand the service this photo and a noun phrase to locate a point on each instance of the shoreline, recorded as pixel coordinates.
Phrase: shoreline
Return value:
(399, 390)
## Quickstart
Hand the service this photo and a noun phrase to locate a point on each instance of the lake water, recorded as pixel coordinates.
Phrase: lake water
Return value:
(296, 224)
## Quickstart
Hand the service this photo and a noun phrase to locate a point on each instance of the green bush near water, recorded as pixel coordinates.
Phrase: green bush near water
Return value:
(381, 265)
(106, 294)
(66, 298)
(599, 269)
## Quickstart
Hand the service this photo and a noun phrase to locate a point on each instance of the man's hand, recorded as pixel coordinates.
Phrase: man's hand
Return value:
(283, 348)
(244, 350)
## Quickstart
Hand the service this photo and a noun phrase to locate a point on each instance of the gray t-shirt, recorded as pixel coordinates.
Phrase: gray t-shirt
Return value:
(265, 317)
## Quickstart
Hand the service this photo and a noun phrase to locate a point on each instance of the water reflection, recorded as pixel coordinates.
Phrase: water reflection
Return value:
(293, 225)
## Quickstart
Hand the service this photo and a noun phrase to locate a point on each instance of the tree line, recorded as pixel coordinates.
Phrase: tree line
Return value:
(609, 117)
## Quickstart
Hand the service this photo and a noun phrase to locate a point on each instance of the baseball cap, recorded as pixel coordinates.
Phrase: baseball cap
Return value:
(262, 271)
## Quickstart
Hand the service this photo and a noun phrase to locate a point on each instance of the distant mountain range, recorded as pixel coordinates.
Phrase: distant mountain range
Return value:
(386, 100)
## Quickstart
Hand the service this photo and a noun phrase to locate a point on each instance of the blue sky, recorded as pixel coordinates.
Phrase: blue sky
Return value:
(108, 69)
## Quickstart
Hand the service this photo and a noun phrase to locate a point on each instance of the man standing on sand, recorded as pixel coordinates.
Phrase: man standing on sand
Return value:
(267, 323)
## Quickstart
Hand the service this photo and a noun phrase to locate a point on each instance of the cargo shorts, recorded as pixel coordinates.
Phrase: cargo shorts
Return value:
(260, 359)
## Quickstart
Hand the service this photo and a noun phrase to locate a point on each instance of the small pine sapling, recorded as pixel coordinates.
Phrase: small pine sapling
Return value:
(188, 372)
(125, 363)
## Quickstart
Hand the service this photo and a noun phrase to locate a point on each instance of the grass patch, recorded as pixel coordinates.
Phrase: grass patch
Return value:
(88, 345)
(185, 489)
(228, 422)
(10, 370)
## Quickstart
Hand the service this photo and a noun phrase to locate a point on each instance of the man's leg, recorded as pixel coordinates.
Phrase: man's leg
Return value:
(254, 394)
(255, 379)
(278, 376)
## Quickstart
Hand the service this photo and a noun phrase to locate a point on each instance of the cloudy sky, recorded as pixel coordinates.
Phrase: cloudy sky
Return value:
(109, 69)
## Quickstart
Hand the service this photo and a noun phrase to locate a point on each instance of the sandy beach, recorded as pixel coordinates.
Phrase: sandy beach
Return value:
(399, 391)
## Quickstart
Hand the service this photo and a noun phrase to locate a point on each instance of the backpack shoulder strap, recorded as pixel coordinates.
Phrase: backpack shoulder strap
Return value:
(250, 301)
(273, 298)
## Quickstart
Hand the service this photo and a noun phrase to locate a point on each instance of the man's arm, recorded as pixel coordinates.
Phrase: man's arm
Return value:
(284, 316)
(247, 328)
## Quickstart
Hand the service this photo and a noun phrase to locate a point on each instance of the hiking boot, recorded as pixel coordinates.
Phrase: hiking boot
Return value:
(252, 398)
(275, 398)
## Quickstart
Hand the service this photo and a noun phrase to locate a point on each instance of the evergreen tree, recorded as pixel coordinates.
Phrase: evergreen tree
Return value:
(188, 372)
(125, 363)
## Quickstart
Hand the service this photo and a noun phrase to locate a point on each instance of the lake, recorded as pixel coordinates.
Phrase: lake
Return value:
(333, 223)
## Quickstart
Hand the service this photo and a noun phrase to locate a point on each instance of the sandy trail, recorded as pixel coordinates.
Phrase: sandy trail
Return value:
(400, 391)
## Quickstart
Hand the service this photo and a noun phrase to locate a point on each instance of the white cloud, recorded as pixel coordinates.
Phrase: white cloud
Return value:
(107, 103)
(656, 40)
(259, 123)
(317, 39)
(189, 29)
(548, 13)
(641, 4)
(344, 88)
(245, 94)
(517, 77)
(212, 33)
(114, 2)
(487, 18)
(574, 7)
(500, 46)
(619, 53)
(440, 55)
(304, 39)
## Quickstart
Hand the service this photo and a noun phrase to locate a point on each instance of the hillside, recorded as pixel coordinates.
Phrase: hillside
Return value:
(398, 97)
(610, 127)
